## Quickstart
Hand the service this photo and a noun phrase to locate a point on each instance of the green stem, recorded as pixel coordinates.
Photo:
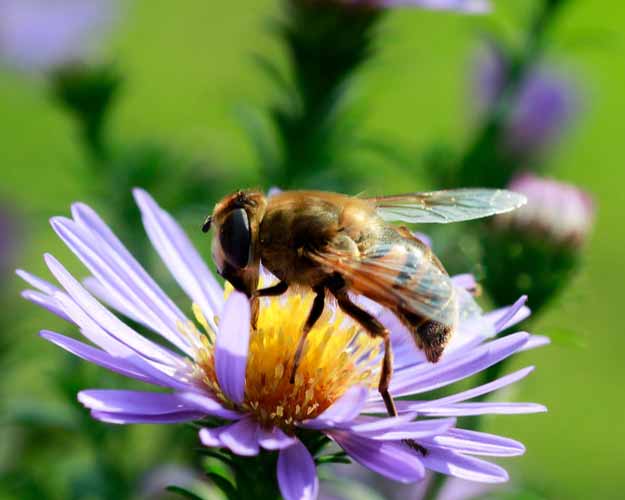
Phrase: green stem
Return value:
(256, 477)
(88, 92)
(93, 139)
(327, 42)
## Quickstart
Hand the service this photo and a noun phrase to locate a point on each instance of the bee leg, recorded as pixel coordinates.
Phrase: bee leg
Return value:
(272, 291)
(313, 316)
(255, 310)
(377, 329)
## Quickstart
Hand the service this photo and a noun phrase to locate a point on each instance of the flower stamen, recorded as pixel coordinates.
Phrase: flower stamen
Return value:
(337, 355)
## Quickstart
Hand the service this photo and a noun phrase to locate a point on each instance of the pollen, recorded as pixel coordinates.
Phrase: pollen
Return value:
(337, 355)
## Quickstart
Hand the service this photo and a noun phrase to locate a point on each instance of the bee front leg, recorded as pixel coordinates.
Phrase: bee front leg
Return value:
(271, 291)
(377, 329)
(313, 316)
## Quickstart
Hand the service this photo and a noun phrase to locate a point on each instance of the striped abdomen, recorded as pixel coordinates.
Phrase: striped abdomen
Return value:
(417, 289)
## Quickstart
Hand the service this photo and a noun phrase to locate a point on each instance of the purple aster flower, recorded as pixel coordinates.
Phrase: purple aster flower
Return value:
(545, 104)
(217, 367)
(558, 212)
(45, 35)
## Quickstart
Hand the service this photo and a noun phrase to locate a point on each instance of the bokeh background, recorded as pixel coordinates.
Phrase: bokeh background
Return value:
(189, 80)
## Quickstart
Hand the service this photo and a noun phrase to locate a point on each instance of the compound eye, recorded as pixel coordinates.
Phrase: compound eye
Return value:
(235, 238)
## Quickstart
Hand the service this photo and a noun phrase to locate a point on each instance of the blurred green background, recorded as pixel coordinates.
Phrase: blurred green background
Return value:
(188, 72)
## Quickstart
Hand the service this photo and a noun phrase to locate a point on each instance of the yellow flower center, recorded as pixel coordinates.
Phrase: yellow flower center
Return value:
(337, 355)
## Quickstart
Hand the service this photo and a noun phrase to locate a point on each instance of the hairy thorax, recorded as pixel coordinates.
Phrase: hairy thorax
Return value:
(297, 224)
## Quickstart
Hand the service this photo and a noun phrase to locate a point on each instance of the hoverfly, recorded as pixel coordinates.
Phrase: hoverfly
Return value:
(335, 244)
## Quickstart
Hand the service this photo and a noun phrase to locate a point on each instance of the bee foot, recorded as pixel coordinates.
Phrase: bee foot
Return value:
(416, 446)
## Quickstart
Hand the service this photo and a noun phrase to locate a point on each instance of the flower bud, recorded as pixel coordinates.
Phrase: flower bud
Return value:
(536, 249)
(558, 212)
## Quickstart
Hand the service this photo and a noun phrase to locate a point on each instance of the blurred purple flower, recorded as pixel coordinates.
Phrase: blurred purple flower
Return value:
(545, 104)
(226, 371)
(45, 35)
(459, 489)
(468, 6)
(346, 482)
(154, 482)
(559, 212)
(10, 238)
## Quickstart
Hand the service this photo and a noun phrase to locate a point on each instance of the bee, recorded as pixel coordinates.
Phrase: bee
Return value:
(338, 245)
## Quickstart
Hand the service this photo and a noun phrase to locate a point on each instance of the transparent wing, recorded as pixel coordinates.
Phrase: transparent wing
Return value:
(468, 308)
(387, 274)
(443, 207)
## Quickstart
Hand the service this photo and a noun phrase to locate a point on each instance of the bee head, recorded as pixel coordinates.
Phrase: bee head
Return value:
(235, 220)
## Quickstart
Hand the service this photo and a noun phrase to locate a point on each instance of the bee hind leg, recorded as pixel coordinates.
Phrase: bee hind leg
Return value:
(313, 316)
(377, 329)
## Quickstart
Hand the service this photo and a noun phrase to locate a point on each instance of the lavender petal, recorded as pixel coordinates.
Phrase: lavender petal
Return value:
(466, 281)
(47, 302)
(180, 257)
(468, 409)
(509, 316)
(478, 443)
(210, 436)
(100, 292)
(421, 378)
(159, 373)
(133, 402)
(208, 405)
(470, 468)
(129, 418)
(89, 328)
(472, 393)
(365, 423)
(151, 403)
(36, 282)
(156, 304)
(345, 409)
(409, 430)
(123, 278)
(96, 356)
(115, 330)
(391, 459)
(275, 439)
(156, 372)
(297, 474)
(241, 437)
(232, 345)
(536, 341)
